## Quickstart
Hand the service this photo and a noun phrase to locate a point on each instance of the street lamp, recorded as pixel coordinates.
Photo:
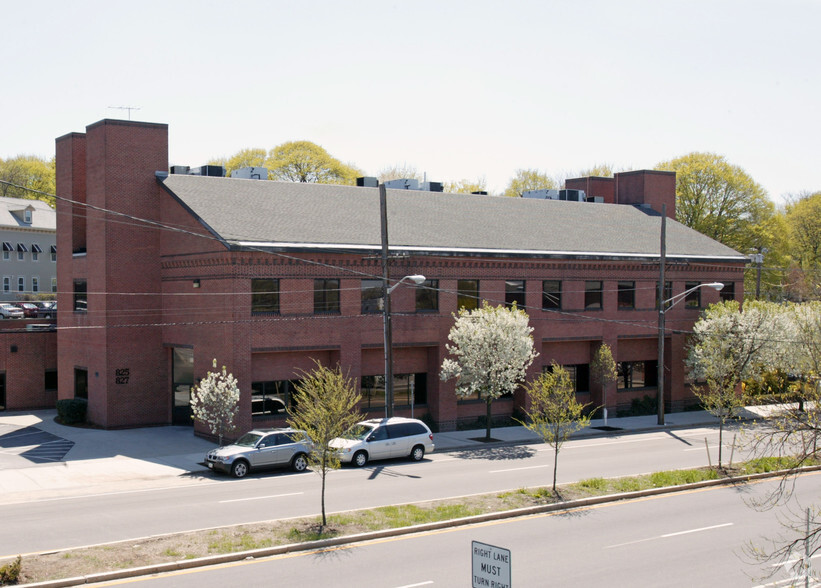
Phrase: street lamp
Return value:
(662, 310)
(386, 320)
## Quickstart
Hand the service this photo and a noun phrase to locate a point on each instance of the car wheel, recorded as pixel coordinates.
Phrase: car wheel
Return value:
(239, 469)
(417, 453)
(360, 458)
(300, 462)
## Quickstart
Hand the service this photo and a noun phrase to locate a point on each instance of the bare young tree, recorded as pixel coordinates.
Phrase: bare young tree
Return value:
(325, 408)
(215, 402)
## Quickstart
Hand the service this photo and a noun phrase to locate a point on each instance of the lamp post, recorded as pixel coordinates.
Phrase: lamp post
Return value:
(662, 310)
(386, 320)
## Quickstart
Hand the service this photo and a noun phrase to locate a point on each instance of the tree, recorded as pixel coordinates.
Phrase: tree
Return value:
(554, 411)
(303, 161)
(249, 157)
(24, 173)
(529, 179)
(215, 402)
(398, 172)
(493, 347)
(803, 221)
(466, 186)
(603, 370)
(325, 408)
(727, 347)
(718, 199)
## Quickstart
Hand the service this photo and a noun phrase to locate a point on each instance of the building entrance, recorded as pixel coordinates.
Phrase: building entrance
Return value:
(182, 375)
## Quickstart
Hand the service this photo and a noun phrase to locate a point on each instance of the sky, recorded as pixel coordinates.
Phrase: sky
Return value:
(458, 89)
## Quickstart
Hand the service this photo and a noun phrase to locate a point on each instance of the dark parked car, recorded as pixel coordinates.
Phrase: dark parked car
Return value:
(29, 309)
(48, 308)
(262, 448)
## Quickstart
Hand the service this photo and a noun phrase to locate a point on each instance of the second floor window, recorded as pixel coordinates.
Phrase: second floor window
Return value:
(515, 292)
(693, 299)
(35, 284)
(551, 294)
(467, 295)
(668, 293)
(326, 295)
(80, 296)
(593, 295)
(427, 296)
(21, 284)
(727, 292)
(627, 294)
(264, 295)
(6, 284)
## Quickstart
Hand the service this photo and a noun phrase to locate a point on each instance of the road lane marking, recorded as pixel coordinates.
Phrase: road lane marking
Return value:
(260, 497)
(666, 535)
(428, 583)
(520, 469)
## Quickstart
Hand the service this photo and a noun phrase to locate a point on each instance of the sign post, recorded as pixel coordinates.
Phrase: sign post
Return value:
(491, 566)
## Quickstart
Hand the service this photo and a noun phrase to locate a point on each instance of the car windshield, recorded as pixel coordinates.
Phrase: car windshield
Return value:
(248, 440)
(359, 431)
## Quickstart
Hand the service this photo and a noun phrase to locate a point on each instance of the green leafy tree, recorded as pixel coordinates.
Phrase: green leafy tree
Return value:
(325, 408)
(529, 179)
(718, 199)
(604, 371)
(803, 220)
(215, 402)
(492, 347)
(554, 412)
(251, 157)
(303, 161)
(28, 176)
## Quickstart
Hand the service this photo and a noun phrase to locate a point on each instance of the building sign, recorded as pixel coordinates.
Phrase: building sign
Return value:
(121, 376)
(491, 566)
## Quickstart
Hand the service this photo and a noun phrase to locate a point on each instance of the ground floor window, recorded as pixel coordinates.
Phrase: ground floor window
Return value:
(2, 391)
(51, 380)
(182, 376)
(579, 374)
(273, 397)
(637, 374)
(80, 383)
(408, 389)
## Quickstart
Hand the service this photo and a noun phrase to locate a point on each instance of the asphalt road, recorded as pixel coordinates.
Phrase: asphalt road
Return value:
(686, 539)
(44, 525)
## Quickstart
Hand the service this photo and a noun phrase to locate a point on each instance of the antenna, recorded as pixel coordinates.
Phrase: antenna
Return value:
(128, 108)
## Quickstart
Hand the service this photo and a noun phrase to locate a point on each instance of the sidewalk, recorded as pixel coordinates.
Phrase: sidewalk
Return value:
(40, 459)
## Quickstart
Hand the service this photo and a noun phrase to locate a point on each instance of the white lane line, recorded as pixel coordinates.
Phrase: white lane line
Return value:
(260, 497)
(428, 583)
(670, 535)
(519, 469)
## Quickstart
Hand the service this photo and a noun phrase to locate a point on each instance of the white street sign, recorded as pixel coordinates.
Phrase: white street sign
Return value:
(491, 566)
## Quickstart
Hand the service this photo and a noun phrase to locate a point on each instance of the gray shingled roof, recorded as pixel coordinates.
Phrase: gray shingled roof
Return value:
(259, 213)
(43, 216)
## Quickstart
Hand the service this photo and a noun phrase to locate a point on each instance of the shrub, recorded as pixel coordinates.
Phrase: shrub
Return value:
(71, 411)
(10, 573)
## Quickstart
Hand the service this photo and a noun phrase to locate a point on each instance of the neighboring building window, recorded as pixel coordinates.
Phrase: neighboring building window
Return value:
(593, 295)
(35, 256)
(693, 299)
(27, 217)
(21, 255)
(371, 296)
(627, 295)
(54, 253)
(272, 398)
(515, 292)
(53, 284)
(80, 296)
(21, 284)
(551, 294)
(727, 292)
(51, 380)
(35, 284)
(427, 296)
(407, 389)
(467, 294)
(326, 295)
(637, 374)
(6, 284)
(668, 293)
(7, 249)
(264, 296)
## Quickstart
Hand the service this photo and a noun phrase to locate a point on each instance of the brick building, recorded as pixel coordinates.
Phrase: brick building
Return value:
(170, 271)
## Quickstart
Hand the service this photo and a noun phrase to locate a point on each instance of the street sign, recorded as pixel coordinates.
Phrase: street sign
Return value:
(491, 566)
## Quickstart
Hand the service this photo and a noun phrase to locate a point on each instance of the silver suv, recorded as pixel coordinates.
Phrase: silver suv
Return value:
(262, 448)
(384, 439)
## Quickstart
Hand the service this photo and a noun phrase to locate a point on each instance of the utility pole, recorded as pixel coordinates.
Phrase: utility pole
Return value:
(661, 297)
(386, 303)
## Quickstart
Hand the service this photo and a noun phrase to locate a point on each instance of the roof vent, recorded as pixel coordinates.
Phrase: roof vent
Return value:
(180, 169)
(250, 173)
(367, 182)
(433, 186)
(402, 184)
(572, 195)
(208, 170)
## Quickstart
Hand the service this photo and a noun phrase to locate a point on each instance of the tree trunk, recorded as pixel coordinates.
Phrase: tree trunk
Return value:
(324, 473)
(555, 465)
(720, 439)
(487, 429)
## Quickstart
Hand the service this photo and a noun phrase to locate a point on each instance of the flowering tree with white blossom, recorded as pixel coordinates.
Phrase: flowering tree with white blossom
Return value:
(215, 402)
(492, 349)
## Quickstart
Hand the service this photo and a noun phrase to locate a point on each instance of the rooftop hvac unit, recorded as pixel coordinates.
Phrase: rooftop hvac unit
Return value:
(367, 182)
(597, 199)
(541, 194)
(250, 173)
(433, 186)
(403, 184)
(180, 169)
(572, 195)
(208, 170)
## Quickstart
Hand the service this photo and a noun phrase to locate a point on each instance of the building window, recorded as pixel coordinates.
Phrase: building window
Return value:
(727, 292)
(407, 389)
(326, 296)
(551, 294)
(35, 256)
(467, 294)
(371, 296)
(6, 284)
(35, 284)
(80, 296)
(515, 293)
(80, 383)
(27, 217)
(627, 295)
(54, 284)
(21, 284)
(51, 379)
(593, 295)
(579, 374)
(427, 296)
(668, 293)
(272, 398)
(693, 299)
(2, 391)
(637, 374)
(7, 249)
(264, 296)
(54, 253)
(21, 255)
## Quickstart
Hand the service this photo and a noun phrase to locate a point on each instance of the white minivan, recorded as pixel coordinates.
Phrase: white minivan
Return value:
(383, 439)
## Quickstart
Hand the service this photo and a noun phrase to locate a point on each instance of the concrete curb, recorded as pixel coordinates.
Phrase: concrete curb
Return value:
(373, 535)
